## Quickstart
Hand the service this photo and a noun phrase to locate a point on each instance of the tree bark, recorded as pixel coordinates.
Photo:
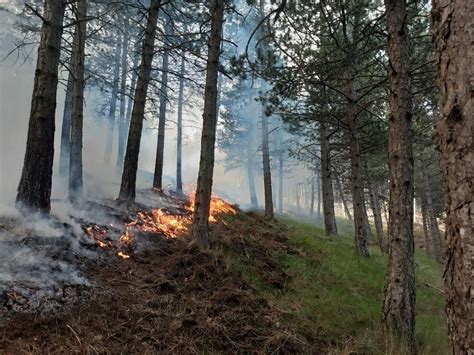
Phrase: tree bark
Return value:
(426, 234)
(280, 182)
(66, 129)
(452, 32)
(123, 87)
(179, 139)
(328, 194)
(113, 103)
(160, 144)
(200, 230)
(34, 189)
(358, 201)
(267, 174)
(311, 207)
(130, 165)
(376, 209)
(399, 302)
(75, 162)
(318, 185)
(429, 210)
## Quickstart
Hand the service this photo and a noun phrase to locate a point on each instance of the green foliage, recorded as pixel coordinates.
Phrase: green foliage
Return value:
(335, 296)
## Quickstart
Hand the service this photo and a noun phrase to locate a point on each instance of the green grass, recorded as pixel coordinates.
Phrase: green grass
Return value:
(335, 296)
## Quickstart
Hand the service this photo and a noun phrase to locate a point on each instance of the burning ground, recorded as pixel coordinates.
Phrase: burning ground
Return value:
(115, 278)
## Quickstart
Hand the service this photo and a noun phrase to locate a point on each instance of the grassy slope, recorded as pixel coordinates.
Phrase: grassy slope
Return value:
(334, 296)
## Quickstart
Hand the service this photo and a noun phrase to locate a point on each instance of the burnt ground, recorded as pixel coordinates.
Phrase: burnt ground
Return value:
(167, 297)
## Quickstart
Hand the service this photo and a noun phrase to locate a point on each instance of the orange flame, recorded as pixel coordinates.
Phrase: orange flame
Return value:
(216, 207)
(123, 255)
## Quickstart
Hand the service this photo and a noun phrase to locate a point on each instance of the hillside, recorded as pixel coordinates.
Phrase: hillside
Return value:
(271, 287)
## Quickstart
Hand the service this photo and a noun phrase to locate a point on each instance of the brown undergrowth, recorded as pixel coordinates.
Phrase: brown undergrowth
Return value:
(173, 298)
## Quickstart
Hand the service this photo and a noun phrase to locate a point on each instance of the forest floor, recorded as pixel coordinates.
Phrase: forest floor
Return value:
(264, 287)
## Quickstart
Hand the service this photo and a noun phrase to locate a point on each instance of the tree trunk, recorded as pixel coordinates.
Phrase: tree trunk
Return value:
(179, 140)
(318, 188)
(66, 128)
(123, 87)
(311, 207)
(251, 177)
(280, 182)
(267, 174)
(328, 194)
(130, 165)
(426, 234)
(34, 189)
(430, 214)
(160, 145)
(75, 162)
(452, 25)
(200, 231)
(347, 211)
(358, 202)
(399, 302)
(131, 92)
(376, 210)
(113, 103)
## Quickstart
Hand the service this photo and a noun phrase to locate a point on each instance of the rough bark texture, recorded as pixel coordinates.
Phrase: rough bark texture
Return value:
(318, 183)
(75, 161)
(113, 103)
(160, 144)
(179, 138)
(328, 194)
(130, 164)
(200, 231)
(399, 302)
(453, 23)
(123, 87)
(66, 129)
(34, 189)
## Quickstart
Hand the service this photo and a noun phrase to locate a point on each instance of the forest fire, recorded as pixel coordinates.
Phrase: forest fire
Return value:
(218, 206)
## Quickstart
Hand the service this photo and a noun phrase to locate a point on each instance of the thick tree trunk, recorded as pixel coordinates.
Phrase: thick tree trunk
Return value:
(399, 302)
(130, 165)
(430, 214)
(66, 129)
(160, 144)
(358, 201)
(34, 189)
(376, 209)
(113, 103)
(179, 139)
(200, 230)
(347, 211)
(452, 24)
(75, 162)
(328, 194)
(123, 87)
